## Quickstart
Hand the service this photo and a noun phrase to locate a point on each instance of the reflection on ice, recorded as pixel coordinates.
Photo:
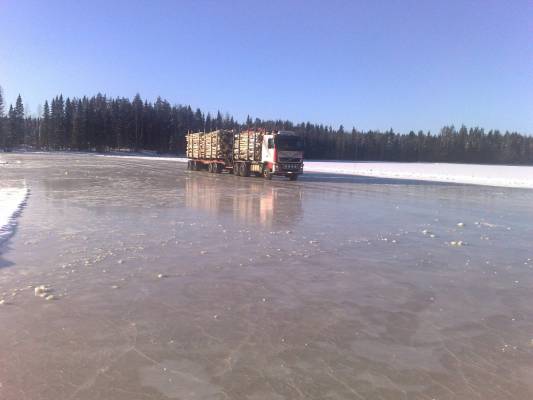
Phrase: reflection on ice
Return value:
(253, 201)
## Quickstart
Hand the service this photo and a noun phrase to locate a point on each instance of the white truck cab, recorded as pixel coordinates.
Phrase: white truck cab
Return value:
(282, 153)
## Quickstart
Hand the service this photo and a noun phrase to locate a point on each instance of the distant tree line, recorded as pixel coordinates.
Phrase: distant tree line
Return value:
(102, 124)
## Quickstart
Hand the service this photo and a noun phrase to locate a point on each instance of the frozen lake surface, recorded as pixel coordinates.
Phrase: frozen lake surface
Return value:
(170, 284)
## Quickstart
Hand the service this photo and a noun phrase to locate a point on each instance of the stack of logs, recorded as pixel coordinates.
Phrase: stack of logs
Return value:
(247, 146)
(211, 145)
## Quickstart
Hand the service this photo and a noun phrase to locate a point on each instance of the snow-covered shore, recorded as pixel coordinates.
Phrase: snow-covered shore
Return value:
(12, 200)
(474, 174)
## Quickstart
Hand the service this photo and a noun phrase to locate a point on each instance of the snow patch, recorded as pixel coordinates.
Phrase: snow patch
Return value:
(12, 201)
(474, 174)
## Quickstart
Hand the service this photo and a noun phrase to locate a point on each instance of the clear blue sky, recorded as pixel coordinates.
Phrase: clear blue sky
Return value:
(369, 64)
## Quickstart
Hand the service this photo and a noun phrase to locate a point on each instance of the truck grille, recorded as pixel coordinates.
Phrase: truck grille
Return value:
(290, 166)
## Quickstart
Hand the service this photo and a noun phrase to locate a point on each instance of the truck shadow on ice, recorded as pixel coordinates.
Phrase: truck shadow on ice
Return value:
(325, 177)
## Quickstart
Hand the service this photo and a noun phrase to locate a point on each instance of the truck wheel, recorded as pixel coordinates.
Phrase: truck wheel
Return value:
(211, 168)
(189, 165)
(218, 168)
(237, 169)
(267, 174)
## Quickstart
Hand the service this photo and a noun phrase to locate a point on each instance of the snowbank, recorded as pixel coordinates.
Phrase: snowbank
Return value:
(12, 200)
(475, 174)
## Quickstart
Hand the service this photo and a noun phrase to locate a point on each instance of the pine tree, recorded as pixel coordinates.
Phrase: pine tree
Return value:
(18, 122)
(77, 125)
(2, 130)
(57, 117)
(11, 128)
(138, 135)
(44, 136)
(69, 111)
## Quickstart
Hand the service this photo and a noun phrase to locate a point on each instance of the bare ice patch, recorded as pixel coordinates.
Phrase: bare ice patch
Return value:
(181, 379)
(13, 198)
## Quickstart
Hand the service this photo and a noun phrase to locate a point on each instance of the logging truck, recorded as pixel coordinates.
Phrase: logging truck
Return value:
(245, 153)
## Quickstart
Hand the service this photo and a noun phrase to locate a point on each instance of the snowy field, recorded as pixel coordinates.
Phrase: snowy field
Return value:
(474, 174)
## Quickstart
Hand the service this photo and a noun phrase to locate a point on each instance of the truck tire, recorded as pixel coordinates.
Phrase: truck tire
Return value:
(210, 167)
(189, 165)
(267, 174)
(218, 168)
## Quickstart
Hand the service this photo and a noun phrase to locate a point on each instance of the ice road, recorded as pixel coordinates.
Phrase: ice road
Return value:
(136, 279)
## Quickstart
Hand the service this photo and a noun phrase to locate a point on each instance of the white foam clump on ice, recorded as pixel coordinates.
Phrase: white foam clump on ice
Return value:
(42, 291)
(12, 200)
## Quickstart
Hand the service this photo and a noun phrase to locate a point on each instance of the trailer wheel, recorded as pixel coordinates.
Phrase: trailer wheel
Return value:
(210, 167)
(189, 165)
(240, 169)
(218, 168)
(245, 169)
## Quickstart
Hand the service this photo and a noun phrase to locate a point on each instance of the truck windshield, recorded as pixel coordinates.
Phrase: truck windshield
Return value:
(291, 143)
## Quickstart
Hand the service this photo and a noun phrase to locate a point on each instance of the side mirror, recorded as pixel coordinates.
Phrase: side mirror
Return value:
(270, 143)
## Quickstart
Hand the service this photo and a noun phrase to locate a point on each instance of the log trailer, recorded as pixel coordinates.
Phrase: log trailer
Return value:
(250, 152)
